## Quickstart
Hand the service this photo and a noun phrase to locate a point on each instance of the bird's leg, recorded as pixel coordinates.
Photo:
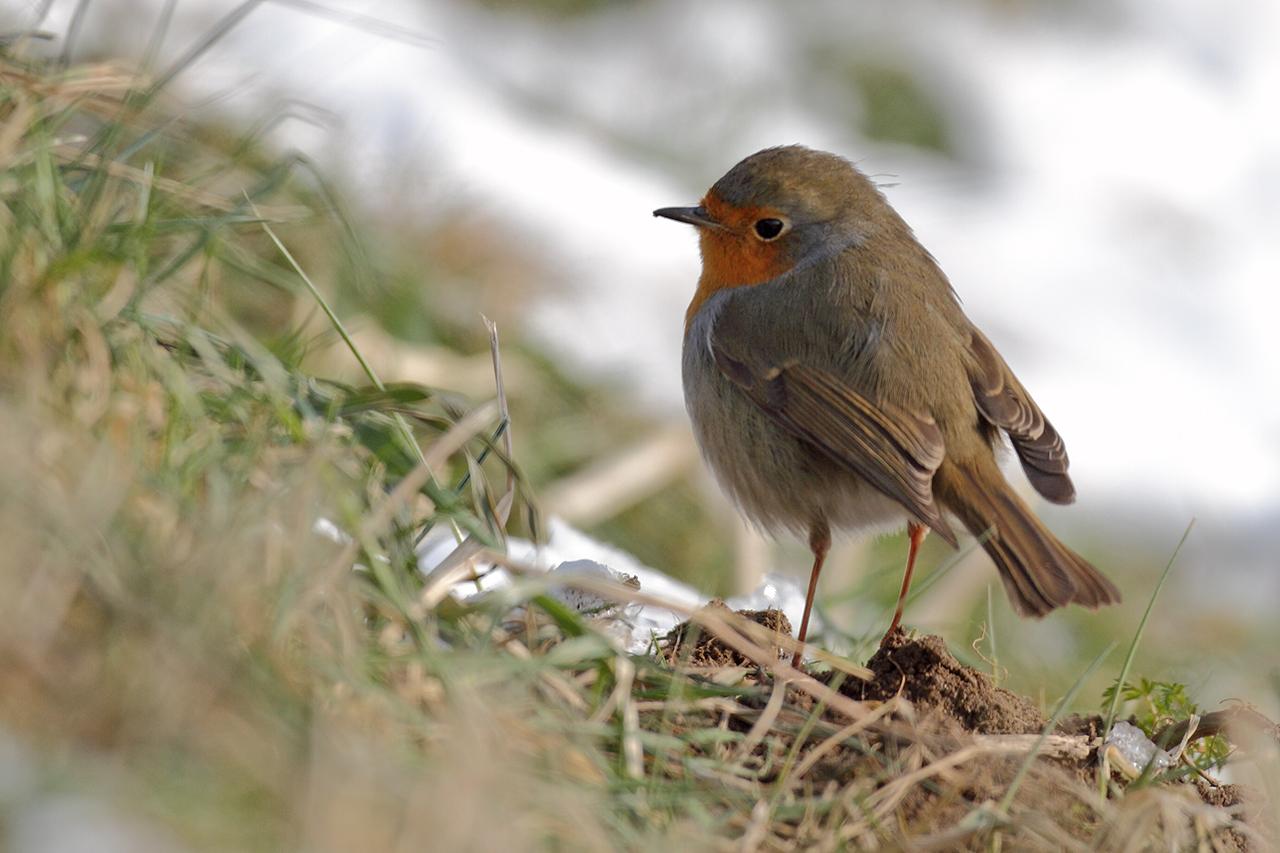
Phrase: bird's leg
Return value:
(819, 544)
(915, 533)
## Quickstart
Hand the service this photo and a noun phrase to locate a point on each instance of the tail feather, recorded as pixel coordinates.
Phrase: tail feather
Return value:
(1039, 573)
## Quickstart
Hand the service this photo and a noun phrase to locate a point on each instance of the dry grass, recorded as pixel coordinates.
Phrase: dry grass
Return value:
(178, 644)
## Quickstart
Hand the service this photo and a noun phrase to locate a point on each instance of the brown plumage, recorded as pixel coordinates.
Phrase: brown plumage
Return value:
(834, 381)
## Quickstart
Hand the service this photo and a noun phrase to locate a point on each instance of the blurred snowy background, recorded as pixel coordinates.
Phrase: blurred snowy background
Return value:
(1100, 180)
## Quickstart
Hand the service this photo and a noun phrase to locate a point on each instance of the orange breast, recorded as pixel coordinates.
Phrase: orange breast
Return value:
(734, 257)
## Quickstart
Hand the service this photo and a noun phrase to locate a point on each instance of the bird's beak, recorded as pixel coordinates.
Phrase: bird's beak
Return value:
(692, 215)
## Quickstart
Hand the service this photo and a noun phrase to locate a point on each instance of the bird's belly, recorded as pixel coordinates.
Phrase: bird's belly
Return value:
(778, 481)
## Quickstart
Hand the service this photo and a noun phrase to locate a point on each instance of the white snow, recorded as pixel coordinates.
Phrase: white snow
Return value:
(569, 553)
(1135, 752)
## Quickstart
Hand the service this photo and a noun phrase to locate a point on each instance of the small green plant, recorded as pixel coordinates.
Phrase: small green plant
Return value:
(1157, 704)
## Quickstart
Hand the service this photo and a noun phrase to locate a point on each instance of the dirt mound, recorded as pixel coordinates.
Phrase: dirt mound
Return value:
(935, 682)
(951, 703)
(693, 646)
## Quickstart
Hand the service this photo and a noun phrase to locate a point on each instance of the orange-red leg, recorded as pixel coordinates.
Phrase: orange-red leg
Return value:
(916, 534)
(819, 544)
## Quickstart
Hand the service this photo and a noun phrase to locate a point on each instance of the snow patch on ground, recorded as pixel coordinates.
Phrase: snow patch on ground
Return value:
(569, 553)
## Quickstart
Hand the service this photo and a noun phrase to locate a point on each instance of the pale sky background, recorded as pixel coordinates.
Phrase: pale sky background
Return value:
(1110, 215)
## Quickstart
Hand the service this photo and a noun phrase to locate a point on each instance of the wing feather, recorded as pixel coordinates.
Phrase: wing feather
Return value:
(1005, 404)
(894, 450)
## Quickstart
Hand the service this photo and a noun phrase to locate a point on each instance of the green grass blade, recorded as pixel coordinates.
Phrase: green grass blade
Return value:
(1018, 778)
(1137, 635)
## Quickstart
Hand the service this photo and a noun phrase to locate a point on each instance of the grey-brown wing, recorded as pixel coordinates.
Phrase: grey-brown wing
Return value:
(895, 451)
(1004, 403)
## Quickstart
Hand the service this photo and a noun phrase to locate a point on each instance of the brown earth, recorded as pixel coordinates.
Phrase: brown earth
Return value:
(952, 701)
(691, 645)
(935, 682)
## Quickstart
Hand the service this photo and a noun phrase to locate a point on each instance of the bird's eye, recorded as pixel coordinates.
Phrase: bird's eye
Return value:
(769, 229)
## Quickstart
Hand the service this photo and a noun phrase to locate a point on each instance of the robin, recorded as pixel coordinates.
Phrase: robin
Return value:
(833, 381)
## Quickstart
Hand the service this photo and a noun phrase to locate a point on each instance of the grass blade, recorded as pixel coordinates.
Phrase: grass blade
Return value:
(1137, 635)
(1018, 778)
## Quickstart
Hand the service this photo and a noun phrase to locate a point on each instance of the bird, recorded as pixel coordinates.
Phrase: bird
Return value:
(834, 382)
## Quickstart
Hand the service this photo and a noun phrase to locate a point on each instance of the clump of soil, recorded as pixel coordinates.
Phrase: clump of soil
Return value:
(1222, 796)
(1085, 725)
(951, 702)
(935, 682)
(1248, 807)
(694, 646)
